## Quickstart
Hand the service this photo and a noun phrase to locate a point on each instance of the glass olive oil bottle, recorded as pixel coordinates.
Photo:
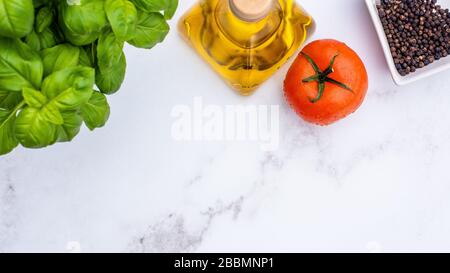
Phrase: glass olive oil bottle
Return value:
(246, 41)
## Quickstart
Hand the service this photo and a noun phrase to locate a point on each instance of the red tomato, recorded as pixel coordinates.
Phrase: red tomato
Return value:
(332, 90)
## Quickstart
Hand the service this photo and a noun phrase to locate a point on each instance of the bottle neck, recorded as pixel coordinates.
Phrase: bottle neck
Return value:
(251, 10)
(248, 31)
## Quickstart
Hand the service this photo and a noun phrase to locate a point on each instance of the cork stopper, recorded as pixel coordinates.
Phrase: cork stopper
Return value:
(251, 10)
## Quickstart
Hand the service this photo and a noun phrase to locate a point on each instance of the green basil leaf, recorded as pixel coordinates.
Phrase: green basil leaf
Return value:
(69, 88)
(58, 33)
(16, 18)
(49, 110)
(33, 97)
(33, 41)
(151, 29)
(109, 50)
(80, 39)
(79, 78)
(39, 3)
(110, 80)
(171, 8)
(71, 99)
(85, 60)
(9, 100)
(167, 6)
(40, 41)
(8, 140)
(71, 126)
(82, 21)
(51, 113)
(122, 16)
(19, 66)
(96, 111)
(60, 57)
(48, 39)
(91, 52)
(33, 130)
(44, 19)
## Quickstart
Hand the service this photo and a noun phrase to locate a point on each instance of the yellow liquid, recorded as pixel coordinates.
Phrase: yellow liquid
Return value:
(245, 53)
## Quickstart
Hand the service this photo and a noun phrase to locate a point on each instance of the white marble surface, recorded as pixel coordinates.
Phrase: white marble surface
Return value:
(377, 181)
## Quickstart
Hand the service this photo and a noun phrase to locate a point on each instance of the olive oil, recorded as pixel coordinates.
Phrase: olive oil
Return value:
(246, 42)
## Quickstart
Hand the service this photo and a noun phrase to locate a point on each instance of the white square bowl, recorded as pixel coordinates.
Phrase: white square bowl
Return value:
(435, 67)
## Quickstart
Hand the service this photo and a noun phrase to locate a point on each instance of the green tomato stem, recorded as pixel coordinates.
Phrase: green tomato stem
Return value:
(321, 77)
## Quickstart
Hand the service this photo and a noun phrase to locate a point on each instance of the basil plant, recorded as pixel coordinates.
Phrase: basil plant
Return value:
(59, 58)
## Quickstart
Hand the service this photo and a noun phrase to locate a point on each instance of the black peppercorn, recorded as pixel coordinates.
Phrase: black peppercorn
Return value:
(418, 32)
